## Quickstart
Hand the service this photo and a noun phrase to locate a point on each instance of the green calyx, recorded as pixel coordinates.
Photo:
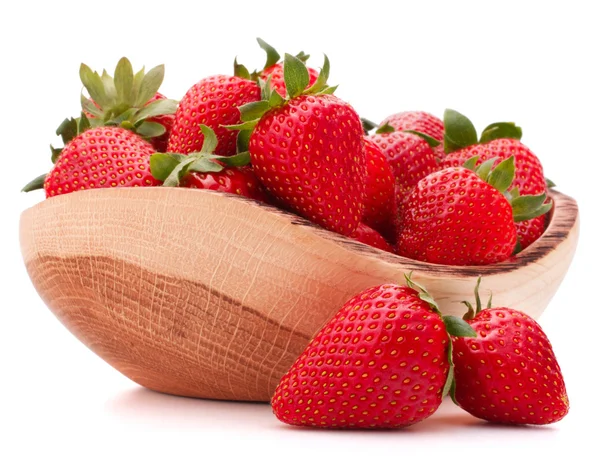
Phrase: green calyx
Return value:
(472, 312)
(455, 327)
(388, 129)
(273, 57)
(170, 168)
(385, 129)
(296, 79)
(501, 177)
(367, 125)
(459, 131)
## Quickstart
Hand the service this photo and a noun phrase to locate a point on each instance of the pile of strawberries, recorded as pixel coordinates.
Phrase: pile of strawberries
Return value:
(423, 188)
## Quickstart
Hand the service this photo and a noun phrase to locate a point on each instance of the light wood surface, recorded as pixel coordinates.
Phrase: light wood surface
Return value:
(203, 294)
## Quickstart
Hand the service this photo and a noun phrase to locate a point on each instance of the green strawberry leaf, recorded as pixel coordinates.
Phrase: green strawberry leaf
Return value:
(83, 123)
(503, 175)
(67, 130)
(109, 87)
(205, 165)
(501, 130)
(295, 75)
(550, 184)
(137, 83)
(458, 327)
(320, 85)
(470, 314)
(272, 56)
(174, 178)
(124, 81)
(239, 70)
(484, 169)
(94, 85)
(35, 184)
(302, 56)
(385, 129)
(430, 140)
(367, 125)
(89, 107)
(238, 160)
(518, 247)
(150, 84)
(459, 131)
(471, 163)
(450, 381)
(156, 108)
(162, 165)
(55, 153)
(255, 110)
(477, 297)
(148, 129)
(530, 206)
(210, 139)
(243, 140)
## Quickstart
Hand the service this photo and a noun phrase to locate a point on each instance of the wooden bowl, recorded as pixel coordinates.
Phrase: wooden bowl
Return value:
(210, 295)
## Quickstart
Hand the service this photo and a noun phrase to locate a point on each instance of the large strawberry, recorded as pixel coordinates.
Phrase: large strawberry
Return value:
(273, 69)
(410, 155)
(214, 102)
(499, 141)
(509, 373)
(308, 149)
(380, 211)
(101, 157)
(418, 121)
(381, 362)
(206, 170)
(456, 216)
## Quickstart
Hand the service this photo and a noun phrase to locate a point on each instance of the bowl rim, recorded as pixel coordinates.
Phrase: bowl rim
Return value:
(564, 217)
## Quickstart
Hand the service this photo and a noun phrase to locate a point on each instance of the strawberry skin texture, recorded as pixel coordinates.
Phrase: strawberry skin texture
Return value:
(277, 81)
(310, 155)
(213, 101)
(509, 373)
(371, 237)
(454, 217)
(240, 181)
(380, 362)
(410, 157)
(419, 121)
(99, 158)
(529, 175)
(380, 212)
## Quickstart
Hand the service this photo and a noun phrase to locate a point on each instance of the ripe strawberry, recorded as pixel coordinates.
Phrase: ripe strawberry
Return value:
(206, 170)
(410, 156)
(509, 373)
(101, 157)
(308, 150)
(380, 212)
(500, 141)
(418, 121)
(273, 68)
(459, 217)
(529, 231)
(380, 362)
(368, 236)
(214, 102)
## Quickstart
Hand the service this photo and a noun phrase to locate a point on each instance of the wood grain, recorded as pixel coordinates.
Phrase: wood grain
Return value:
(203, 294)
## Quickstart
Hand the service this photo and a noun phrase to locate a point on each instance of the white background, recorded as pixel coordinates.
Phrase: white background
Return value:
(535, 63)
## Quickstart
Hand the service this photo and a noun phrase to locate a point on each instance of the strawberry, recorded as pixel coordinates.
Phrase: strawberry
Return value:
(381, 362)
(418, 121)
(273, 69)
(368, 236)
(101, 157)
(529, 231)
(459, 217)
(379, 200)
(308, 149)
(499, 141)
(509, 373)
(410, 156)
(213, 101)
(206, 170)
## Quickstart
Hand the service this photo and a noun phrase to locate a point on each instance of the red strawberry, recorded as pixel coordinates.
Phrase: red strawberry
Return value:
(455, 217)
(418, 121)
(101, 157)
(273, 68)
(410, 157)
(509, 373)
(214, 102)
(368, 236)
(380, 362)
(500, 141)
(241, 181)
(380, 201)
(308, 150)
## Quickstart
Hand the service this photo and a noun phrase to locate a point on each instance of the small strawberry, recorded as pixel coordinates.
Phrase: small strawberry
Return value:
(459, 217)
(273, 68)
(308, 149)
(368, 236)
(418, 121)
(410, 156)
(499, 141)
(101, 157)
(380, 212)
(206, 170)
(509, 373)
(381, 362)
(214, 102)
